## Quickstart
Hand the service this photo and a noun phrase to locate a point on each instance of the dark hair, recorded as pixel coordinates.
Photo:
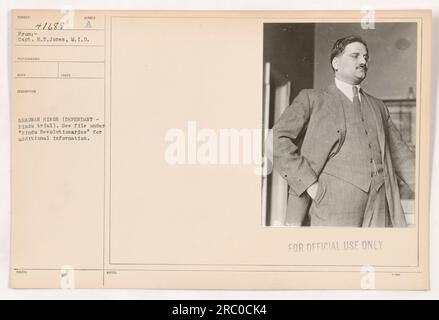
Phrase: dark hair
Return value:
(341, 44)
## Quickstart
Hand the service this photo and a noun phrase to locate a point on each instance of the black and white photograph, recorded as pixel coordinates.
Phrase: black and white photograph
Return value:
(339, 111)
(220, 150)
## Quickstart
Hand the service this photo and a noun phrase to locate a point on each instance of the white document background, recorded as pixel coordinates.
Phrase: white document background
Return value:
(5, 6)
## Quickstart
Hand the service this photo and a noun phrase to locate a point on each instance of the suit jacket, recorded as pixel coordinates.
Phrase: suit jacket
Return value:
(312, 130)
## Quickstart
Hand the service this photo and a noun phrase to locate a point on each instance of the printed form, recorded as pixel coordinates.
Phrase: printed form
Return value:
(136, 159)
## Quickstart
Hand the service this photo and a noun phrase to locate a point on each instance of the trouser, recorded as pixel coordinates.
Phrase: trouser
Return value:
(340, 203)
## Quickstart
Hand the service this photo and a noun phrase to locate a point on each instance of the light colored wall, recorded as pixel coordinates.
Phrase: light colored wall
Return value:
(392, 48)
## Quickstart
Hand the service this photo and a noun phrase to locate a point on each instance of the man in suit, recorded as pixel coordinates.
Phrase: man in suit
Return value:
(340, 152)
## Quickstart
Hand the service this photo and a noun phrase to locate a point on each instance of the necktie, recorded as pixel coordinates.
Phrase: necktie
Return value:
(356, 101)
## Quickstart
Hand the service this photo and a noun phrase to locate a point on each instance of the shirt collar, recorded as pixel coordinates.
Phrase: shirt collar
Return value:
(346, 88)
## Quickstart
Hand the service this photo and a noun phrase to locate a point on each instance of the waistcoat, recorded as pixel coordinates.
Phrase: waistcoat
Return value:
(359, 160)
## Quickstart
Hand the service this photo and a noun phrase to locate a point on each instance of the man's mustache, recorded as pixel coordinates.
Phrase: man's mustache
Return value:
(364, 67)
